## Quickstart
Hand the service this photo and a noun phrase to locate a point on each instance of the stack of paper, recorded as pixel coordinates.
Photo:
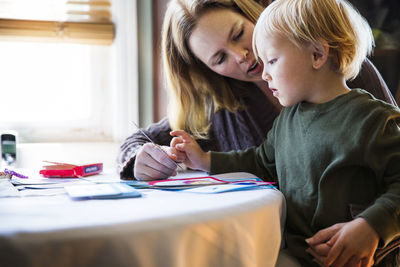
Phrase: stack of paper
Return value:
(102, 191)
(206, 184)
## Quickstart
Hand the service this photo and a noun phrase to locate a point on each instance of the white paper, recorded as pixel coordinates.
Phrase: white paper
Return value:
(7, 189)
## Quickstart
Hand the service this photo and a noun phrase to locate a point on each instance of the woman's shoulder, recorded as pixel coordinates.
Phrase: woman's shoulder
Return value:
(371, 81)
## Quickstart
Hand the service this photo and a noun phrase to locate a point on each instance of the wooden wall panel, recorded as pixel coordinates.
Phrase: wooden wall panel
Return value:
(160, 95)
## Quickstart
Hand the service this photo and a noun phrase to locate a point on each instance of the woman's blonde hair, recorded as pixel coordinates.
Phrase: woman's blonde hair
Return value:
(337, 22)
(195, 91)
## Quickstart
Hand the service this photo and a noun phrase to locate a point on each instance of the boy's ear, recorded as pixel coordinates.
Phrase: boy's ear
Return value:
(320, 53)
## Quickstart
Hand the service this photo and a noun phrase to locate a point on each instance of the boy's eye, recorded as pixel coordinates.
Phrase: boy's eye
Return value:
(237, 36)
(272, 61)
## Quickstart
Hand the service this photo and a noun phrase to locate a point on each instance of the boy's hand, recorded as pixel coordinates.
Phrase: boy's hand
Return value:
(178, 156)
(319, 252)
(347, 244)
(196, 158)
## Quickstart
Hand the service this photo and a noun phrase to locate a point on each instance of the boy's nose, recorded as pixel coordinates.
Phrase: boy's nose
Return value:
(266, 77)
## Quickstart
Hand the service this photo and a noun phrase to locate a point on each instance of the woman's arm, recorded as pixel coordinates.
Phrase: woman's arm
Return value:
(228, 131)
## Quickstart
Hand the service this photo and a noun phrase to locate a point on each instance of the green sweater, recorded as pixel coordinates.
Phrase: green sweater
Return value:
(328, 157)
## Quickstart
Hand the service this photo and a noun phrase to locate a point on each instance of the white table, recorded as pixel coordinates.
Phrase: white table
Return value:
(162, 228)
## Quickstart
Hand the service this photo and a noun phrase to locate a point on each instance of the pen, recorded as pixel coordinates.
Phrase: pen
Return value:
(157, 146)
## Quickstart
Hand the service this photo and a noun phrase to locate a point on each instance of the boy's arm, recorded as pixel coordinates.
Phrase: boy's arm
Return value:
(255, 160)
(382, 217)
(259, 161)
(384, 158)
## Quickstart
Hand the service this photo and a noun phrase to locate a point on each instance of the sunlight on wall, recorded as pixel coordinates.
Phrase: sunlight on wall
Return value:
(44, 82)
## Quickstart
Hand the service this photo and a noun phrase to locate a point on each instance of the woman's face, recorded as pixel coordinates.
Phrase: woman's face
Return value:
(222, 40)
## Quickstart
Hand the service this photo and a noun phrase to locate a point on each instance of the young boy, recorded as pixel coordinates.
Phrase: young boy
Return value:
(331, 149)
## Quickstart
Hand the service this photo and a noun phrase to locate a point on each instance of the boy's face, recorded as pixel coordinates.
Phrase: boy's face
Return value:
(287, 68)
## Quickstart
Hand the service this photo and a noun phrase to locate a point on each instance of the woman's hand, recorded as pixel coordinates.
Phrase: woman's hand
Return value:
(346, 244)
(195, 158)
(154, 162)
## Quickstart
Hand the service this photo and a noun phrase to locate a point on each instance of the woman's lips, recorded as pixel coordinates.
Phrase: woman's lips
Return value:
(255, 69)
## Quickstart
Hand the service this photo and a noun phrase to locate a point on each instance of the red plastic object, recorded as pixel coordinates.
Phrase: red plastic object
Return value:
(63, 170)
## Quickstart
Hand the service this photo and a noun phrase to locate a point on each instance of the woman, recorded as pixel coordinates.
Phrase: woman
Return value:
(214, 83)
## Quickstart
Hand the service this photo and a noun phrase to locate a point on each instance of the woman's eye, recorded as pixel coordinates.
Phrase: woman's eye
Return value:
(221, 59)
(237, 36)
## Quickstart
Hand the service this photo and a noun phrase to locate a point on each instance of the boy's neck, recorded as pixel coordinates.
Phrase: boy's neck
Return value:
(327, 86)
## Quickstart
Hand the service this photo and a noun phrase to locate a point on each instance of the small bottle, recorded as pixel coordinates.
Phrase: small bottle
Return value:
(8, 142)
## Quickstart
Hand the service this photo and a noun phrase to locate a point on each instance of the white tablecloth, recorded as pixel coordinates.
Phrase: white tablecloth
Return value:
(161, 228)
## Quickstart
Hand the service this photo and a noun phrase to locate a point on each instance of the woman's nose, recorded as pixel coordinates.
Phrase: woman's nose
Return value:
(241, 54)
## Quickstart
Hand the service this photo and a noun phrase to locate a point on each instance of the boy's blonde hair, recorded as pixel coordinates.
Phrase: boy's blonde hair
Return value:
(337, 22)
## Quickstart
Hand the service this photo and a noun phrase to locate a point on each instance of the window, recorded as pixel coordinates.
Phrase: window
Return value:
(72, 88)
(45, 81)
(52, 88)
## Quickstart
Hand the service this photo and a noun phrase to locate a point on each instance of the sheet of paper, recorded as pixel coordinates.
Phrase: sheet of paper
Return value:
(42, 181)
(7, 189)
(182, 182)
(211, 189)
(95, 191)
(195, 181)
(42, 192)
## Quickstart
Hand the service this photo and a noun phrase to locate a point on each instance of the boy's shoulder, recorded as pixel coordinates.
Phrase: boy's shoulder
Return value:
(364, 101)
(366, 115)
(356, 106)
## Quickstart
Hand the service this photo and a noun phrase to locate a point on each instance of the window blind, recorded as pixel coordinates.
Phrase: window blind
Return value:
(79, 21)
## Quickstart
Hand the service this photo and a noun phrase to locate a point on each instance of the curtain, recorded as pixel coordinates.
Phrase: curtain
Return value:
(79, 21)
